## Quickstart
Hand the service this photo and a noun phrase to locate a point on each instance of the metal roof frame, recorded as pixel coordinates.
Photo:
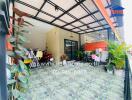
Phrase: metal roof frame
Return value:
(67, 12)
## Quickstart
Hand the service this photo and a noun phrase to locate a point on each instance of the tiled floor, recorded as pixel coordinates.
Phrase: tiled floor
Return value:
(74, 82)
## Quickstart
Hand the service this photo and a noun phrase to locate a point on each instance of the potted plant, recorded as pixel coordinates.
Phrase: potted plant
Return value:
(64, 58)
(78, 55)
(116, 57)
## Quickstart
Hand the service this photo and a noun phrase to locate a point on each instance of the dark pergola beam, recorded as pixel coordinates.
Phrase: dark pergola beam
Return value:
(83, 17)
(30, 6)
(53, 4)
(39, 19)
(68, 10)
(85, 10)
(88, 24)
(98, 8)
(80, 18)
(88, 11)
(41, 8)
(96, 27)
(94, 17)
(61, 9)
(65, 12)
(98, 30)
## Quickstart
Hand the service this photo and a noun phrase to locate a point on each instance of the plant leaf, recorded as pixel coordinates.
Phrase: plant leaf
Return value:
(11, 53)
(22, 38)
(22, 78)
(11, 39)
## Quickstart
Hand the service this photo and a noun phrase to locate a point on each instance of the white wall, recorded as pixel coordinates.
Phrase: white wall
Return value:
(37, 38)
(55, 41)
(127, 4)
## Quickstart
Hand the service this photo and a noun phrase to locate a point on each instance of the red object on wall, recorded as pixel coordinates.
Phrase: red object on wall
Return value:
(95, 45)
(8, 44)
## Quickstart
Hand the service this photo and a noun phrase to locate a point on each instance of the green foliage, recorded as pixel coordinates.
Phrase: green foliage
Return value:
(117, 54)
(19, 70)
(78, 54)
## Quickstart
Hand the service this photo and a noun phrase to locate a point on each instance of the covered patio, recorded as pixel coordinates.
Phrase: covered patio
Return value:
(66, 26)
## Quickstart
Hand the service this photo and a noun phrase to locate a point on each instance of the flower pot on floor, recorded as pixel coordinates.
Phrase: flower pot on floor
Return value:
(110, 71)
(64, 62)
(119, 72)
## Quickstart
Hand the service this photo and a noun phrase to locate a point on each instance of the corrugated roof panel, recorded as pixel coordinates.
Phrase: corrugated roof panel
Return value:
(76, 29)
(94, 25)
(65, 4)
(103, 22)
(74, 15)
(58, 22)
(69, 27)
(25, 9)
(46, 17)
(106, 26)
(98, 15)
(51, 10)
(35, 3)
(77, 24)
(87, 19)
(89, 4)
(83, 28)
(98, 28)
(78, 12)
(105, 3)
(89, 30)
(67, 18)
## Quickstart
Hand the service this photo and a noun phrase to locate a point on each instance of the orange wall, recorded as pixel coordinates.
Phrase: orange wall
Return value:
(95, 45)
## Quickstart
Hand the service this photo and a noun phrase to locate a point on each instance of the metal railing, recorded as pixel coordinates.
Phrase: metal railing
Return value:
(127, 80)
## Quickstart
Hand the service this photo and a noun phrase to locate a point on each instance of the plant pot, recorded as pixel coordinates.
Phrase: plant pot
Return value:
(109, 71)
(64, 62)
(119, 72)
(77, 59)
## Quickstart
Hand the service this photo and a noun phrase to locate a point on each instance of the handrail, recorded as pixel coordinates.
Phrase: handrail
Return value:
(127, 79)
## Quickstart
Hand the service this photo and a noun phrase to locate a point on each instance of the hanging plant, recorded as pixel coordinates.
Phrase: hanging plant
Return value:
(19, 70)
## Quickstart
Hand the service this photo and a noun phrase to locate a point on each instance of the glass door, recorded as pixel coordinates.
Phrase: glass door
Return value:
(67, 48)
(74, 48)
(70, 47)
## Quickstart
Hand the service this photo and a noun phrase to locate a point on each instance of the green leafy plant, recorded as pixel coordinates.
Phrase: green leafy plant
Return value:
(19, 70)
(116, 55)
(78, 55)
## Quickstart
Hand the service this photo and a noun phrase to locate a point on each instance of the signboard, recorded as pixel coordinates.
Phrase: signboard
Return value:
(117, 11)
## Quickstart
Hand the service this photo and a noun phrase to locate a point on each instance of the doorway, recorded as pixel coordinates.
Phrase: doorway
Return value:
(70, 47)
